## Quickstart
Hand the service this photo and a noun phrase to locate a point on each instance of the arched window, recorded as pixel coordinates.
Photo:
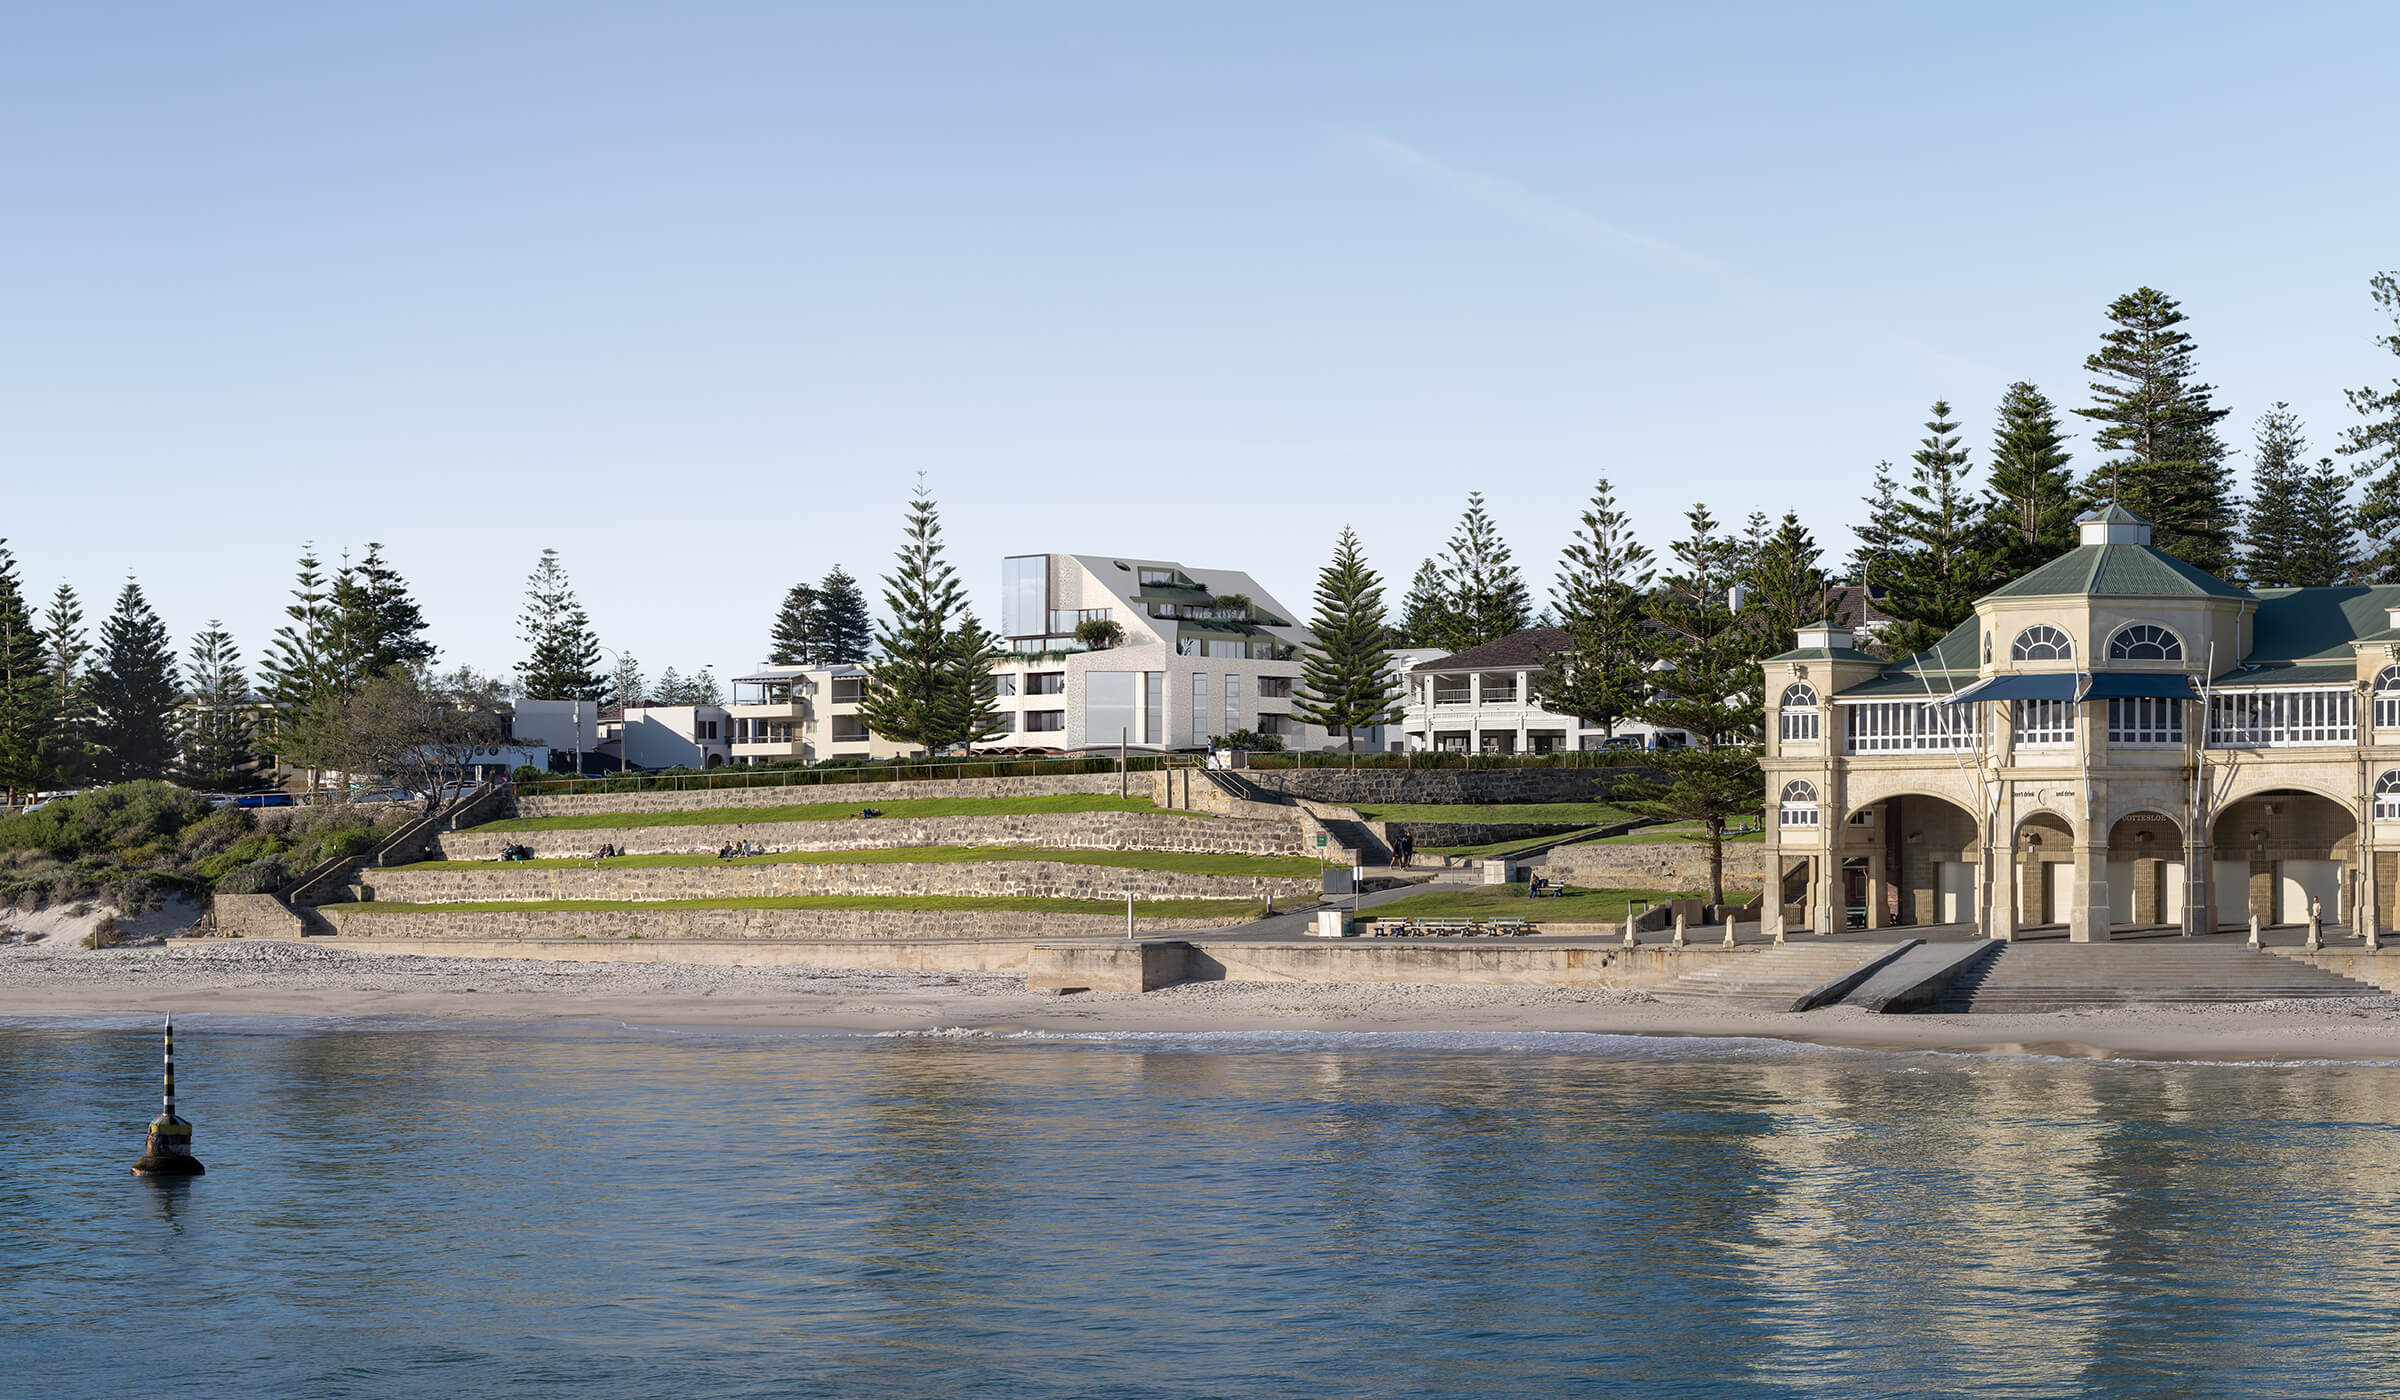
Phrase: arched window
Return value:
(1799, 803)
(2387, 698)
(1798, 722)
(2042, 642)
(2144, 641)
(2387, 796)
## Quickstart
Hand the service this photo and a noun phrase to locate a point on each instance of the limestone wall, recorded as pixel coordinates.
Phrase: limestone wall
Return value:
(1480, 833)
(1662, 865)
(1001, 955)
(863, 794)
(1028, 879)
(599, 925)
(1374, 786)
(256, 916)
(1072, 831)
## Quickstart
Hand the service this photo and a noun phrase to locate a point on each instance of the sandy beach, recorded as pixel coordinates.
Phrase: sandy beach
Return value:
(289, 979)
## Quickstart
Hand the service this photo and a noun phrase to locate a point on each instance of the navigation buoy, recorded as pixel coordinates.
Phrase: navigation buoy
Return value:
(168, 1152)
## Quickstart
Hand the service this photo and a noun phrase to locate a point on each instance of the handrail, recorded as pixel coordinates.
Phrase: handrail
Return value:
(415, 830)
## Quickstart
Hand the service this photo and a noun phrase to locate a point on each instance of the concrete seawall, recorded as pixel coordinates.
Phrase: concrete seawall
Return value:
(1035, 879)
(1072, 831)
(861, 794)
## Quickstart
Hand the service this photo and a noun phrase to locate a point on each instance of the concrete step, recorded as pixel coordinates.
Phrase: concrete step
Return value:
(1791, 978)
(2064, 976)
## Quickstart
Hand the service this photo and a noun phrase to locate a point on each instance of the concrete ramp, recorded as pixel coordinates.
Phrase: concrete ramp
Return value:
(1794, 977)
(1916, 979)
(2067, 976)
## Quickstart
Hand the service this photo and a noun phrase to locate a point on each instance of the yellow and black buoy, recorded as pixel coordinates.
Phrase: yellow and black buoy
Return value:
(169, 1150)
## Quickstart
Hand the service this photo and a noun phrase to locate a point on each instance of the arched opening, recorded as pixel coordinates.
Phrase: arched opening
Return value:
(2276, 853)
(2044, 846)
(1909, 861)
(2147, 881)
(716, 760)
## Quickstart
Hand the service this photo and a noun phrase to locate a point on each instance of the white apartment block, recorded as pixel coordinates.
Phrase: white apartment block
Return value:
(668, 736)
(1483, 700)
(1205, 652)
(802, 714)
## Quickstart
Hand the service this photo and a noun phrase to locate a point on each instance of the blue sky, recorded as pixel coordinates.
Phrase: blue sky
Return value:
(692, 293)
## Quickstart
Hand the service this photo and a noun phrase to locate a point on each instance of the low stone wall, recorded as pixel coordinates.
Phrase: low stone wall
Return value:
(1659, 865)
(1003, 956)
(1015, 879)
(2375, 969)
(1371, 787)
(1068, 831)
(862, 794)
(738, 924)
(1480, 833)
(256, 916)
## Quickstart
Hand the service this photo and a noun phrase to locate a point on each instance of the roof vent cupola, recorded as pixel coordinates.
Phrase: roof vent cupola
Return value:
(1826, 636)
(2113, 524)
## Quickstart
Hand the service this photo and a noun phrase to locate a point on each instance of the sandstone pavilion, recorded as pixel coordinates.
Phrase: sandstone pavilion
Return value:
(2116, 742)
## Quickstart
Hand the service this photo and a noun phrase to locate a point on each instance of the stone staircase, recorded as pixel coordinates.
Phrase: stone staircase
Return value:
(2064, 976)
(1794, 977)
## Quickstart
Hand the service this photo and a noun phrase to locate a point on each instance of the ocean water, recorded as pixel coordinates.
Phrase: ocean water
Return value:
(589, 1211)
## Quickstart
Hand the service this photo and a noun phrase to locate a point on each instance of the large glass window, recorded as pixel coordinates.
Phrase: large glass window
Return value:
(1154, 707)
(2276, 719)
(1108, 706)
(2387, 698)
(1024, 595)
(2042, 642)
(2145, 641)
(1201, 728)
(1045, 721)
(1799, 806)
(1797, 724)
(1910, 726)
(2045, 724)
(1046, 683)
(1233, 703)
(2138, 723)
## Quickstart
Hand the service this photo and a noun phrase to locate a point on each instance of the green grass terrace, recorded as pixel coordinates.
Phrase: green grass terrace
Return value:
(1582, 906)
(833, 811)
(1147, 909)
(1185, 862)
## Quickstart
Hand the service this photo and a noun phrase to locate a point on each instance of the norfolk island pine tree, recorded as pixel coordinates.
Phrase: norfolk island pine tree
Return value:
(1602, 598)
(1346, 678)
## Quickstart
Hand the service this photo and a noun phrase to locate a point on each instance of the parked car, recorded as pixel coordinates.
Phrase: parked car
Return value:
(1622, 741)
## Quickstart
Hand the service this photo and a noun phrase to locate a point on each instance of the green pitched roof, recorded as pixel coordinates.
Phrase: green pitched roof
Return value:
(1949, 664)
(2302, 636)
(2111, 514)
(1826, 654)
(2119, 570)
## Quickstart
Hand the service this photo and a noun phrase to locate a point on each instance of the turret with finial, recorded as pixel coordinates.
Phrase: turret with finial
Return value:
(169, 1150)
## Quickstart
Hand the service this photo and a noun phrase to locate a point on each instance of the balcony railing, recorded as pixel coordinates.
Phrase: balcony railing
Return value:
(2282, 719)
(1460, 696)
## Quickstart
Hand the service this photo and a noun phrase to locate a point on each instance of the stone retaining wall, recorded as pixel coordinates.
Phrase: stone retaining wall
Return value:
(1661, 865)
(1014, 879)
(863, 794)
(1372, 787)
(256, 916)
(736, 925)
(1065, 831)
(1003, 956)
(1480, 833)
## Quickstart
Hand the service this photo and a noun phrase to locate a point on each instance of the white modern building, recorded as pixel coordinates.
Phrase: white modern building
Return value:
(1484, 700)
(668, 736)
(803, 714)
(1201, 653)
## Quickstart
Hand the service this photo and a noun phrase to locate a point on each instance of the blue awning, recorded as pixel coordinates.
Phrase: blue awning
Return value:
(2083, 685)
(2109, 685)
(2046, 685)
